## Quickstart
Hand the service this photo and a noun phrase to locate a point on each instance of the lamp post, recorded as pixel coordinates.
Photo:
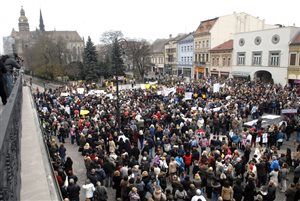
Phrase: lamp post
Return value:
(122, 43)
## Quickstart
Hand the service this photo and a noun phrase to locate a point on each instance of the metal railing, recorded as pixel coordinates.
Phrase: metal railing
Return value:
(10, 135)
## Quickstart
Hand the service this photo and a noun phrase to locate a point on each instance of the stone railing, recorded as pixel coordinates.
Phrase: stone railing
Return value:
(10, 135)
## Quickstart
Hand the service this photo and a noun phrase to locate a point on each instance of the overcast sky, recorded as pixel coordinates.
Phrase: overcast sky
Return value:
(148, 19)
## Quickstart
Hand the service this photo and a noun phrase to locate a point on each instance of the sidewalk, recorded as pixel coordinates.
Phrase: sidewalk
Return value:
(36, 179)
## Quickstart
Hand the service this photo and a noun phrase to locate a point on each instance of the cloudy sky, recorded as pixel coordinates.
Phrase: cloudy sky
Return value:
(148, 19)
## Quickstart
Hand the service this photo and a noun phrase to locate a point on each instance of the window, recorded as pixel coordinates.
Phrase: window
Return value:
(207, 43)
(274, 58)
(213, 61)
(241, 42)
(257, 40)
(292, 59)
(196, 57)
(188, 48)
(217, 62)
(224, 61)
(181, 59)
(275, 39)
(181, 49)
(185, 48)
(207, 57)
(241, 58)
(191, 48)
(256, 58)
(228, 61)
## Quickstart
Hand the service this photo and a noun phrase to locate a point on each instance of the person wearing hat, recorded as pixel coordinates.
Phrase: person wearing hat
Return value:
(216, 189)
(198, 196)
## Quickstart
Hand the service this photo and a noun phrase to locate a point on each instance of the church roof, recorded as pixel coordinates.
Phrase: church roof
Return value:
(66, 35)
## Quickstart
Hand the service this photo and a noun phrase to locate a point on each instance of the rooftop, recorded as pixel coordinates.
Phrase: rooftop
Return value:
(296, 40)
(228, 45)
(205, 26)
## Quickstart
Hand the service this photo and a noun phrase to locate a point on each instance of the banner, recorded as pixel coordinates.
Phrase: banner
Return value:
(289, 111)
(80, 90)
(216, 87)
(188, 96)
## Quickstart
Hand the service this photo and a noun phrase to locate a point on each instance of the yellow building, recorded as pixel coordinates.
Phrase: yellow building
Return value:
(202, 47)
(294, 61)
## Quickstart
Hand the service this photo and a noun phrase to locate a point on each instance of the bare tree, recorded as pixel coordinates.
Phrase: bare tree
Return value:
(138, 52)
(108, 37)
(47, 57)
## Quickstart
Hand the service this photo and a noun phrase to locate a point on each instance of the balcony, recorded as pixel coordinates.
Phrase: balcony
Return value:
(199, 62)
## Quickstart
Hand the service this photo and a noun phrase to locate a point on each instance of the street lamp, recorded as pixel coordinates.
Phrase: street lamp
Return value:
(122, 43)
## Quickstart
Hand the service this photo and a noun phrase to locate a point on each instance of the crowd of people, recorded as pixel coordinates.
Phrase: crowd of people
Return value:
(7, 66)
(166, 147)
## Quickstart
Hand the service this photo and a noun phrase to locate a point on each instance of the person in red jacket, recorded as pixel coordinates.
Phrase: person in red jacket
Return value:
(187, 161)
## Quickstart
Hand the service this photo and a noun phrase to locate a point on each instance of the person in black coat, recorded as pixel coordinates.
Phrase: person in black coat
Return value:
(73, 191)
(249, 191)
(271, 191)
(238, 190)
(2, 83)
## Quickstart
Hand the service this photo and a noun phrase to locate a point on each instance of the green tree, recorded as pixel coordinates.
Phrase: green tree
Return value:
(90, 64)
(116, 58)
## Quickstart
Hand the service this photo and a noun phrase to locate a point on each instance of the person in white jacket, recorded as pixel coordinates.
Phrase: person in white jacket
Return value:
(198, 196)
(89, 190)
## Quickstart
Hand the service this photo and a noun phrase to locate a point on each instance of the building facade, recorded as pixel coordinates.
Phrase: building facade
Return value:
(157, 56)
(221, 59)
(201, 48)
(19, 41)
(170, 66)
(294, 61)
(185, 56)
(263, 55)
(214, 32)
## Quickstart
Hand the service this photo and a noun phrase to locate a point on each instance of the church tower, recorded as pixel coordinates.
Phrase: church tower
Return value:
(23, 22)
(42, 26)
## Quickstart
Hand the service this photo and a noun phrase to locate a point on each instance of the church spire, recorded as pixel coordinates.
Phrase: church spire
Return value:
(42, 26)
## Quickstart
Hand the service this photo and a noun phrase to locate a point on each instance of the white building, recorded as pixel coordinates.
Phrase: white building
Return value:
(263, 55)
(226, 26)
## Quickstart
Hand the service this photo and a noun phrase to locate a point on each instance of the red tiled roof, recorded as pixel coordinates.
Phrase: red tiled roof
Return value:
(228, 45)
(296, 40)
(206, 25)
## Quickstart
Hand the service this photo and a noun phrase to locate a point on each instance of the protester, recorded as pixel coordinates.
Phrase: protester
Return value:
(163, 136)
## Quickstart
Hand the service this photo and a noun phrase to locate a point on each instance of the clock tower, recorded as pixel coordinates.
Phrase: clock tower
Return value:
(23, 22)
